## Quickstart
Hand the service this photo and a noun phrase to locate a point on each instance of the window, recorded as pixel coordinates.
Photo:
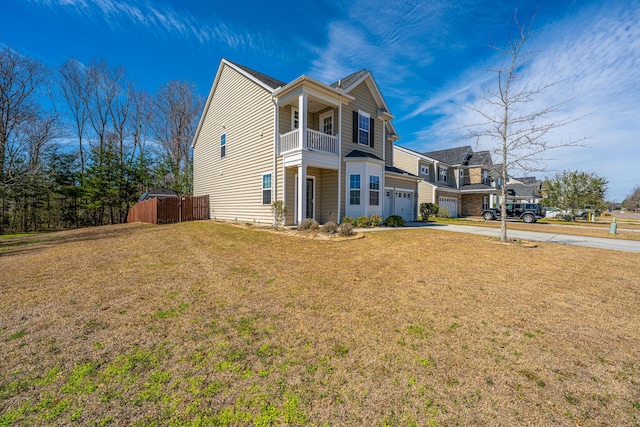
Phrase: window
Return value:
(363, 129)
(223, 145)
(326, 122)
(295, 118)
(424, 170)
(461, 173)
(266, 189)
(374, 190)
(442, 174)
(485, 178)
(354, 189)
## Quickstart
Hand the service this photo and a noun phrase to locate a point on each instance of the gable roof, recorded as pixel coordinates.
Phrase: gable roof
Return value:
(451, 156)
(480, 158)
(269, 81)
(350, 79)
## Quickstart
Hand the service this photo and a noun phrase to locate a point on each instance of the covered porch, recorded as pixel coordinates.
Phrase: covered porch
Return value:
(311, 192)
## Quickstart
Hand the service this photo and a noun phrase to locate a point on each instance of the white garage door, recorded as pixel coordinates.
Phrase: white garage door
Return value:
(404, 204)
(450, 204)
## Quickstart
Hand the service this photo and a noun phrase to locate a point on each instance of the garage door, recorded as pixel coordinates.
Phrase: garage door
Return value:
(404, 204)
(450, 204)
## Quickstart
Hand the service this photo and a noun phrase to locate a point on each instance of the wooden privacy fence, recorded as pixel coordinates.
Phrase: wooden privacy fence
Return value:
(167, 210)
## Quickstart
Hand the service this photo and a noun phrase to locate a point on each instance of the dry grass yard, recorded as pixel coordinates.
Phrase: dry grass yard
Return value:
(206, 324)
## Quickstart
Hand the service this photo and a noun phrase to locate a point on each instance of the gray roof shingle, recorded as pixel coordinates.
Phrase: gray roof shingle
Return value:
(350, 79)
(269, 81)
(451, 156)
(359, 153)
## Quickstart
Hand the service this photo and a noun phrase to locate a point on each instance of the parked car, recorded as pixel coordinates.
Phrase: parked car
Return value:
(553, 213)
(528, 212)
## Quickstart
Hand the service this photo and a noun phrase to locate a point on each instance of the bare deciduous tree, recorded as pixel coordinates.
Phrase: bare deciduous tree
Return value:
(177, 109)
(517, 129)
(74, 85)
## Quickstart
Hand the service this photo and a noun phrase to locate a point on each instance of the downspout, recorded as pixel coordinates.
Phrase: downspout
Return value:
(340, 160)
(384, 165)
(276, 140)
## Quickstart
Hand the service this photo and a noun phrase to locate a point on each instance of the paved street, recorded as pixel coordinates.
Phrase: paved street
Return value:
(564, 239)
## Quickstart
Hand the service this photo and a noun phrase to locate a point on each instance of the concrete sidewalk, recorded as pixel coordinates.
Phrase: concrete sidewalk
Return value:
(563, 239)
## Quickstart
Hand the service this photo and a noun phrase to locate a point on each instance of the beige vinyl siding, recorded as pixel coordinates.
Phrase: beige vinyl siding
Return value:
(406, 162)
(398, 182)
(425, 193)
(244, 111)
(364, 102)
(329, 208)
(326, 194)
(389, 154)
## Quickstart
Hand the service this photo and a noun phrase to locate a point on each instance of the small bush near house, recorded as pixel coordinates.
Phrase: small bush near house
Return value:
(394, 221)
(308, 224)
(376, 220)
(348, 220)
(427, 210)
(329, 227)
(443, 213)
(363, 221)
(345, 229)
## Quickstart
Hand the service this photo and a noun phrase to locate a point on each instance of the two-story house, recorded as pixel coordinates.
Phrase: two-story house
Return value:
(456, 179)
(326, 150)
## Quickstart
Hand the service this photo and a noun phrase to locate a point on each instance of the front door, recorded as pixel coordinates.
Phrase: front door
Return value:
(310, 199)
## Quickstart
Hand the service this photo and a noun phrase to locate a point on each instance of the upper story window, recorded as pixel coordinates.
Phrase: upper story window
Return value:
(295, 118)
(485, 178)
(442, 174)
(354, 189)
(266, 189)
(424, 170)
(326, 122)
(223, 145)
(461, 173)
(374, 190)
(363, 127)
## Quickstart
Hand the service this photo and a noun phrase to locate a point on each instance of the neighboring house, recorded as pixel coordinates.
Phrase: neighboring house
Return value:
(527, 189)
(456, 179)
(325, 150)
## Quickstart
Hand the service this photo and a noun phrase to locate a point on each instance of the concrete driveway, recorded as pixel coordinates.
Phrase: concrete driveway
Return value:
(564, 239)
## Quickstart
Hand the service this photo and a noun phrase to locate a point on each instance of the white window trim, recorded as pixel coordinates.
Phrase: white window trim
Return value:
(440, 175)
(359, 189)
(424, 170)
(364, 114)
(263, 189)
(223, 135)
(370, 190)
(321, 120)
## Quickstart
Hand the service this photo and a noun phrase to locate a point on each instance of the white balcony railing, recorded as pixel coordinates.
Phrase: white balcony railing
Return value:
(316, 141)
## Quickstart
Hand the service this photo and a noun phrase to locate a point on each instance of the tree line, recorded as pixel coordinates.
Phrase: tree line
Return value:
(80, 143)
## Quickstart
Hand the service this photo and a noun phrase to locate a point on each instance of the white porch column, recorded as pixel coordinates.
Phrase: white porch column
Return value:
(302, 110)
(491, 201)
(302, 192)
(340, 165)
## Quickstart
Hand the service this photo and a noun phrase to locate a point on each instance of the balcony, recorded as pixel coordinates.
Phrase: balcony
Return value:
(316, 141)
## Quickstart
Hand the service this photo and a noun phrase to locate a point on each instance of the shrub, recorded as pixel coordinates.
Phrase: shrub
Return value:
(348, 220)
(308, 224)
(376, 220)
(279, 211)
(363, 221)
(443, 213)
(329, 227)
(394, 221)
(345, 229)
(427, 210)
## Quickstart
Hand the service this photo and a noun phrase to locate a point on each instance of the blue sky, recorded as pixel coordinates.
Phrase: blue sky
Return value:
(430, 58)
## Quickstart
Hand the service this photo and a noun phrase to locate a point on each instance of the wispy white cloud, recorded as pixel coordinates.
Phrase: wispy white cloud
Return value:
(595, 59)
(160, 19)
